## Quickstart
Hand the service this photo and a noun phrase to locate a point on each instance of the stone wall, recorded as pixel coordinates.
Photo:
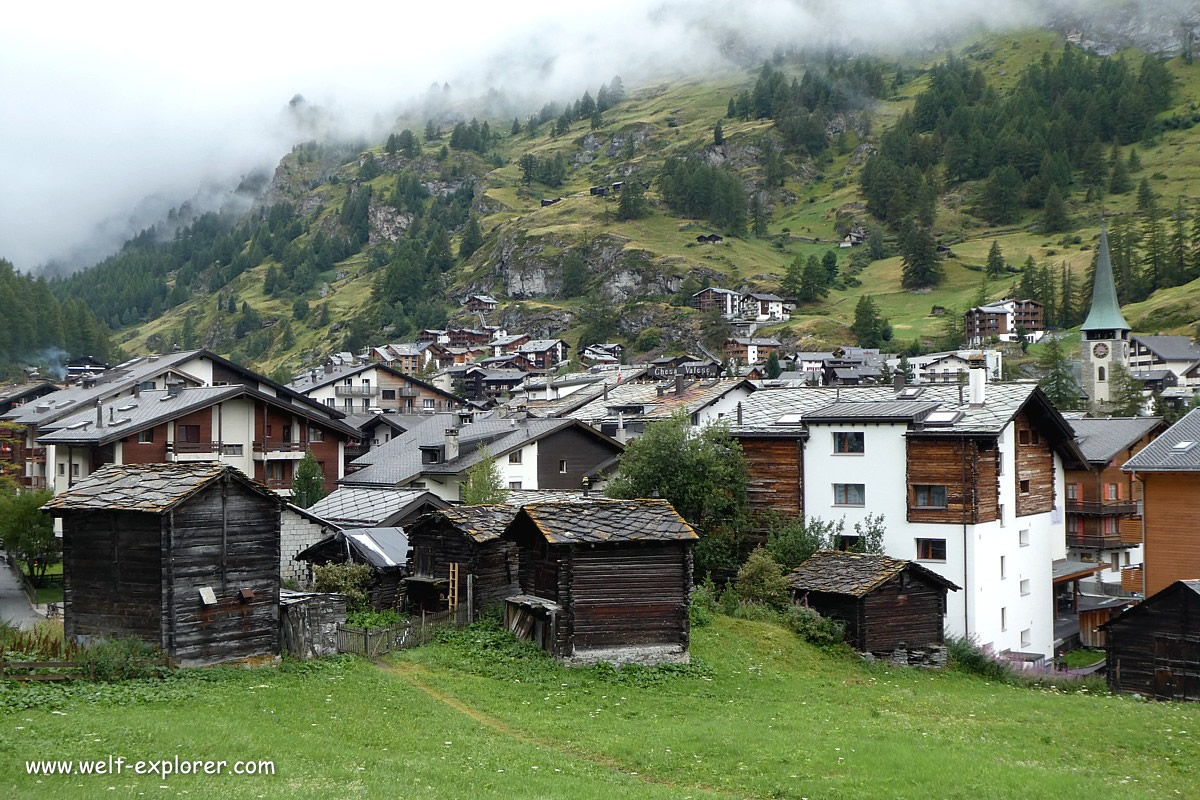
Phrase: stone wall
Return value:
(297, 533)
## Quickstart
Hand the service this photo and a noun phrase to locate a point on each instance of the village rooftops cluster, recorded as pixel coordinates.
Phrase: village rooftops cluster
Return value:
(600, 521)
(854, 574)
(151, 488)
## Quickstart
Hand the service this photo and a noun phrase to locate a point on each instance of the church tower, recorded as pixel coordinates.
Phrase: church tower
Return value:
(1105, 331)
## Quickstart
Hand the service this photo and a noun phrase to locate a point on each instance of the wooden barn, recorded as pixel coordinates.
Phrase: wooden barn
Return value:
(884, 602)
(183, 555)
(603, 580)
(1154, 647)
(459, 561)
(384, 550)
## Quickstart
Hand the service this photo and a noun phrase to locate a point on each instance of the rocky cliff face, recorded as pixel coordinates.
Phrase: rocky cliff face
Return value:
(1160, 26)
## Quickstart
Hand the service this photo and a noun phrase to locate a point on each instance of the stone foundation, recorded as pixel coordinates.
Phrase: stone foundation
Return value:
(620, 656)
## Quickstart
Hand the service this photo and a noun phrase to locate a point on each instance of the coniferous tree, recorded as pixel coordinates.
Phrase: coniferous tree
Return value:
(632, 204)
(528, 165)
(391, 146)
(1056, 379)
(472, 238)
(1145, 198)
(1177, 266)
(1125, 392)
(1066, 300)
(1054, 211)
(483, 482)
(1135, 161)
(1119, 181)
(718, 134)
(516, 127)
(870, 329)
(587, 106)
(431, 132)
(1001, 198)
(829, 263)
(309, 484)
(731, 113)
(920, 262)
(574, 274)
(793, 279)
(773, 367)
(758, 216)
(995, 260)
(813, 285)
(876, 245)
(597, 120)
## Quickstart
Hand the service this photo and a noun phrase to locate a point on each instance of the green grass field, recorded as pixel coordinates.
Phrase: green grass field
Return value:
(758, 715)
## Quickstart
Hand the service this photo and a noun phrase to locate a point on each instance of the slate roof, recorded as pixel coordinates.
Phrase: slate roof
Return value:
(382, 548)
(912, 410)
(770, 298)
(150, 488)
(538, 345)
(482, 523)
(1102, 439)
(1170, 348)
(521, 497)
(367, 507)
(696, 396)
(760, 342)
(854, 574)
(1167, 453)
(600, 521)
(17, 390)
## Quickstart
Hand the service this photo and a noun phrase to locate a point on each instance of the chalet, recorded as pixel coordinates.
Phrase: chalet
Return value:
(530, 454)
(1168, 469)
(948, 366)
(410, 358)
(18, 394)
(598, 191)
(1004, 320)
(624, 410)
(360, 507)
(544, 353)
(82, 366)
(1177, 354)
(885, 603)
(605, 580)
(763, 307)
(969, 481)
(752, 350)
(459, 561)
(434, 336)
(384, 550)
(1154, 648)
(183, 556)
(1103, 524)
(481, 302)
(725, 301)
(467, 337)
(373, 387)
(710, 238)
(606, 353)
(508, 344)
(261, 434)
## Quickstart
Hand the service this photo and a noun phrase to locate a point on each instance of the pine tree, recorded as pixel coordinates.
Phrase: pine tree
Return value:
(1154, 271)
(472, 238)
(793, 279)
(812, 282)
(829, 263)
(773, 367)
(1177, 250)
(732, 112)
(431, 132)
(1119, 181)
(528, 164)
(907, 370)
(758, 216)
(1145, 198)
(309, 484)
(995, 260)
(869, 327)
(920, 263)
(718, 134)
(1001, 199)
(574, 274)
(1135, 161)
(516, 127)
(1124, 392)
(587, 106)
(1027, 286)
(1066, 301)
(597, 120)
(1054, 211)
(1056, 379)
(632, 204)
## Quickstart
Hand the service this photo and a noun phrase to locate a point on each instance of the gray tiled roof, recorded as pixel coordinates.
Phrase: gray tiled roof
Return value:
(125, 415)
(597, 521)
(19, 389)
(521, 497)
(352, 505)
(152, 488)
(1167, 453)
(854, 574)
(538, 345)
(695, 397)
(1101, 440)
(914, 410)
(1170, 348)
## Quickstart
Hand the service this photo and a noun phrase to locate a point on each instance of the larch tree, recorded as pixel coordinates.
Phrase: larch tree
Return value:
(483, 482)
(309, 484)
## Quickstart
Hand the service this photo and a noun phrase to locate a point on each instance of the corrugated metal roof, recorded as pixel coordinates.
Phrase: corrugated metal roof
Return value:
(599, 521)
(150, 488)
(382, 548)
(1101, 440)
(854, 574)
(1176, 450)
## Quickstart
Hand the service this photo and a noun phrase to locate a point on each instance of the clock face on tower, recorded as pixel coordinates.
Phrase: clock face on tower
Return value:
(1100, 350)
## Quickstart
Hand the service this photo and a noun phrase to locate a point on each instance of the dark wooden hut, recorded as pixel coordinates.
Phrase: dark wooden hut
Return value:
(469, 537)
(884, 602)
(184, 556)
(384, 550)
(603, 580)
(1154, 647)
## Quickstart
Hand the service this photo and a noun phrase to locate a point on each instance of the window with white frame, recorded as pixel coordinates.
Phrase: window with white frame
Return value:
(514, 457)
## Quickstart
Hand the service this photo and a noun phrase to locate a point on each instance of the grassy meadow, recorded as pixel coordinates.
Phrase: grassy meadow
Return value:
(758, 715)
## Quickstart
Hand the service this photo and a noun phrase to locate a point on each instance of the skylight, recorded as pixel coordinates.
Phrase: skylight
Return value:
(789, 419)
(1182, 447)
(943, 418)
(910, 393)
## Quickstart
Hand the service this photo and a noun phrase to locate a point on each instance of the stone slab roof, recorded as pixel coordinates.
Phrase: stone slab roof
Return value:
(482, 523)
(696, 395)
(601, 521)
(150, 488)
(854, 574)
(366, 507)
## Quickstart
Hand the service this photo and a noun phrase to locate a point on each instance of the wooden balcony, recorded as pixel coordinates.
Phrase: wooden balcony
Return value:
(355, 391)
(1131, 530)
(287, 451)
(1131, 579)
(1097, 541)
(1101, 507)
(35, 481)
(279, 484)
(190, 448)
(36, 454)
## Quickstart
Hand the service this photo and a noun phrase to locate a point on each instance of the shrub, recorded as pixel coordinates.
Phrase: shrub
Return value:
(966, 656)
(120, 659)
(368, 618)
(730, 602)
(809, 625)
(760, 580)
(349, 579)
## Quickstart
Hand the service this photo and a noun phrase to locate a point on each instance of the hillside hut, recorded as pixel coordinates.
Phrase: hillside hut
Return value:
(459, 561)
(603, 580)
(384, 550)
(1154, 647)
(885, 603)
(184, 556)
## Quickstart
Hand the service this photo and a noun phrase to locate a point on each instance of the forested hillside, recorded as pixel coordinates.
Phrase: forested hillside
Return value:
(973, 174)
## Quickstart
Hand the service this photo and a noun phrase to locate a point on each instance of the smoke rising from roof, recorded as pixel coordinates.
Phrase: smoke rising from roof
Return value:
(114, 113)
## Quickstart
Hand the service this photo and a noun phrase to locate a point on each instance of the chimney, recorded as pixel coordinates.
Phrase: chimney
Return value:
(99, 413)
(549, 385)
(898, 381)
(620, 437)
(660, 390)
(679, 383)
(174, 388)
(587, 486)
(977, 385)
(739, 414)
(451, 447)
(606, 391)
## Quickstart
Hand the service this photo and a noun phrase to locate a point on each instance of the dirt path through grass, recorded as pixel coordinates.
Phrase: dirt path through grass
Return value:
(412, 674)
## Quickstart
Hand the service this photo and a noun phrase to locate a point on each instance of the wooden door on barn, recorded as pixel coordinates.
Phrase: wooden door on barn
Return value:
(1176, 668)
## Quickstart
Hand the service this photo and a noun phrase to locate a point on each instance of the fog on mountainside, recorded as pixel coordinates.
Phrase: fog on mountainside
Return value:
(110, 121)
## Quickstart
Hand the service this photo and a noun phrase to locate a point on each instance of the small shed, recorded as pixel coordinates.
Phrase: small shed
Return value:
(184, 556)
(1154, 647)
(384, 550)
(603, 580)
(884, 602)
(459, 561)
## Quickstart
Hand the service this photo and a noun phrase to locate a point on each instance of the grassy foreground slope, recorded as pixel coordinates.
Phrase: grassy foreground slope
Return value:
(760, 715)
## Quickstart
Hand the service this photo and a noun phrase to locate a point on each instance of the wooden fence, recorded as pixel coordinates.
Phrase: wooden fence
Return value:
(63, 670)
(375, 642)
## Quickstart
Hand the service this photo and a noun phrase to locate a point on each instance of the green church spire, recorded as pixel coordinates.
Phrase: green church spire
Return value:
(1105, 314)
